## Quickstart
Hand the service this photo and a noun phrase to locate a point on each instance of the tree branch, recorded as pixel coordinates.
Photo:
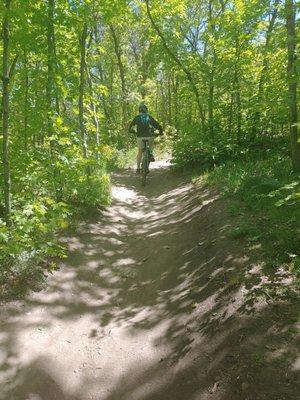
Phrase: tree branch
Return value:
(177, 61)
(13, 66)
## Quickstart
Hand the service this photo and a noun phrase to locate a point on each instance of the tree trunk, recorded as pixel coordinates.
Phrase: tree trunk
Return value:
(94, 112)
(236, 88)
(292, 83)
(122, 76)
(211, 88)
(26, 100)
(52, 99)
(82, 84)
(111, 80)
(170, 116)
(211, 104)
(262, 78)
(180, 64)
(50, 70)
(5, 113)
(100, 76)
(101, 98)
(238, 110)
(144, 76)
(230, 116)
(175, 89)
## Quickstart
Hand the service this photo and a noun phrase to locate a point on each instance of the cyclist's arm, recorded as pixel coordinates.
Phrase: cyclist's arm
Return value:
(132, 124)
(156, 125)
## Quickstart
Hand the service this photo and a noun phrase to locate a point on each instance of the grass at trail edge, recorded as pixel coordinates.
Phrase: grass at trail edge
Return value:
(265, 198)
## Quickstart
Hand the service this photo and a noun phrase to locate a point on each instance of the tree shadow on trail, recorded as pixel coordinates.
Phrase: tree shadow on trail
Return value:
(162, 254)
(36, 382)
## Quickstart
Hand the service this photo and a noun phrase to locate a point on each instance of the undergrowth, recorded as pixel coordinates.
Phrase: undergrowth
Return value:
(40, 211)
(257, 178)
(265, 196)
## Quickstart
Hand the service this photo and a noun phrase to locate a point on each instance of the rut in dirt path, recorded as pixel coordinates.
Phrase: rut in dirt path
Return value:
(155, 302)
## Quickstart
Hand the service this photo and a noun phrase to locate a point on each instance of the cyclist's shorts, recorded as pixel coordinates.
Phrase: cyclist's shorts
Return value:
(140, 142)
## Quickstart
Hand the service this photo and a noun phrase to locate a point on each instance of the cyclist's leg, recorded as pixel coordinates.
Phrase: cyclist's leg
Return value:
(139, 154)
(147, 156)
(151, 143)
(151, 146)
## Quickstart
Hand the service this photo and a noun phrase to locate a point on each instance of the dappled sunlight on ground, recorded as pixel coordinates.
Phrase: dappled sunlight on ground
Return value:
(121, 193)
(154, 302)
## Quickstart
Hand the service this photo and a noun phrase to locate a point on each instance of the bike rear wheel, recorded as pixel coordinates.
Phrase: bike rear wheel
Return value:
(145, 167)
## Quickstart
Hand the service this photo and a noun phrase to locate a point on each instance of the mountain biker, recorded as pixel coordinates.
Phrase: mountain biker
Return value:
(145, 126)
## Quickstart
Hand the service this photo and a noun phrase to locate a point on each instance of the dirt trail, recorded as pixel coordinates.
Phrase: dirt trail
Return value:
(155, 302)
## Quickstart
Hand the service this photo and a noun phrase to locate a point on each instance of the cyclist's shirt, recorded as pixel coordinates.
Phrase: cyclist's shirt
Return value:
(145, 125)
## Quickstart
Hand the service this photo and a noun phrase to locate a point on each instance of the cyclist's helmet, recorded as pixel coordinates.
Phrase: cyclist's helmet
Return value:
(143, 108)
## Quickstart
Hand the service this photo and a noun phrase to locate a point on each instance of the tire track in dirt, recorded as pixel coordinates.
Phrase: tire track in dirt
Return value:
(154, 302)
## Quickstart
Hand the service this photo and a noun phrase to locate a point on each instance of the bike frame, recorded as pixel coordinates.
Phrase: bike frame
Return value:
(145, 161)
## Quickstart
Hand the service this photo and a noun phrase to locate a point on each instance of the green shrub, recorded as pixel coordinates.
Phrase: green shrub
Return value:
(46, 196)
(265, 197)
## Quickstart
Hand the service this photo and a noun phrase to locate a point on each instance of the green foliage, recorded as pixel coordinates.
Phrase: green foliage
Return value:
(32, 240)
(123, 158)
(243, 231)
(32, 245)
(192, 148)
(46, 197)
(265, 197)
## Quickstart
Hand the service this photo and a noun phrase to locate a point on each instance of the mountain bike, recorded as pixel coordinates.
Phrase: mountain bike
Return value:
(145, 161)
(146, 158)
